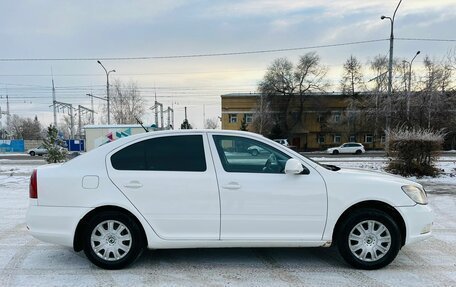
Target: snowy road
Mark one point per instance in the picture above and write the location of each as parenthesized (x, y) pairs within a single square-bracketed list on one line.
[(25, 261)]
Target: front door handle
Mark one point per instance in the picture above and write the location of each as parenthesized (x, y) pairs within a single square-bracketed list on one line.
[(232, 186), (133, 184)]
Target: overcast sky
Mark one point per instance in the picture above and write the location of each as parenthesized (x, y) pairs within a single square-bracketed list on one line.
[(103, 29)]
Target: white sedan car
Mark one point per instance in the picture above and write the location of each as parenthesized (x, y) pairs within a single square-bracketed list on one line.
[(355, 148), (191, 189), (41, 150)]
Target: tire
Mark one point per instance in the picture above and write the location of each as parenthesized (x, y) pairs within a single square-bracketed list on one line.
[(254, 152), (32, 153), (373, 249), (335, 152), (358, 152), (106, 250)]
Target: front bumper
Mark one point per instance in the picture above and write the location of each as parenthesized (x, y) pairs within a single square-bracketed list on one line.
[(418, 222), (54, 224)]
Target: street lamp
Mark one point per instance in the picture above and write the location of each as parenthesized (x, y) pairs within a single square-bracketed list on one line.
[(410, 83), (107, 88), (390, 66)]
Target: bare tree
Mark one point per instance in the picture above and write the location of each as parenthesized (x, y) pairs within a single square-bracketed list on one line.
[(64, 127), (287, 82), (25, 128), (352, 78), (211, 123), (262, 117), (126, 103)]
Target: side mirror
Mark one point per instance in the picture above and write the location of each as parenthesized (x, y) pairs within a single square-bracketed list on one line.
[(293, 166)]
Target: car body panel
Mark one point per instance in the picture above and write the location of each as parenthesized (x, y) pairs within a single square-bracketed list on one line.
[(271, 206), (178, 204)]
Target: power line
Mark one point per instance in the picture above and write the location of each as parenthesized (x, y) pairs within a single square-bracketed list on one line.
[(426, 39), (192, 55)]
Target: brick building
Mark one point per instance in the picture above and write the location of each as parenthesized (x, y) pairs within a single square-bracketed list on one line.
[(326, 120)]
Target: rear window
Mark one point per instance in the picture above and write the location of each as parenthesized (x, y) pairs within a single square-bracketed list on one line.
[(172, 153)]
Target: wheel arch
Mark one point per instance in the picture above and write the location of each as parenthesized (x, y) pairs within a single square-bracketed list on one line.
[(78, 242), (373, 204)]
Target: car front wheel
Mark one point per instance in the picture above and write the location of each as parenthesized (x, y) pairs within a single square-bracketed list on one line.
[(112, 240), (369, 239), (335, 151)]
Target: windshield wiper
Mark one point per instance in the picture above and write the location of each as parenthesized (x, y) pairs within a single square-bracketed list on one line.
[(331, 167)]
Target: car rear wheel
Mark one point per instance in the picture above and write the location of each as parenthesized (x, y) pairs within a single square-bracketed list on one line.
[(358, 152), (335, 151), (112, 240), (32, 153), (369, 239)]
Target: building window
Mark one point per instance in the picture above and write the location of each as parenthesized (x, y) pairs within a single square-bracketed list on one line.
[(337, 117), (383, 139), (352, 138), (368, 138), (321, 139), (337, 138), (248, 118), (319, 118), (232, 118)]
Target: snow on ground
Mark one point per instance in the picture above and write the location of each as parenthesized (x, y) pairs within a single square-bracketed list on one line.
[(25, 261)]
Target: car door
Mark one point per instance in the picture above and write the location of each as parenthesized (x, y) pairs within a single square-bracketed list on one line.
[(258, 200), (171, 180), (343, 148)]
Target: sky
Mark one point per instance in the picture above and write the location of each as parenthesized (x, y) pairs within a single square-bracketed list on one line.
[(93, 30)]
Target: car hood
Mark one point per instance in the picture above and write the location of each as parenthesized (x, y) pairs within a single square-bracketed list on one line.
[(376, 176)]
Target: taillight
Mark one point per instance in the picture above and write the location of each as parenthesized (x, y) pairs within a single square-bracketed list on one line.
[(33, 189)]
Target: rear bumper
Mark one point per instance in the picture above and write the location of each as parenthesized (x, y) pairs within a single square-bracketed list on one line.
[(54, 224), (418, 221)]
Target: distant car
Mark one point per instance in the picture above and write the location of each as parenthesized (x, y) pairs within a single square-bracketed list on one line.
[(41, 150), (355, 148), (283, 142), (255, 150)]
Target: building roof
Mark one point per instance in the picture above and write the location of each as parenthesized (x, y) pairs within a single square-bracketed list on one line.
[(332, 94)]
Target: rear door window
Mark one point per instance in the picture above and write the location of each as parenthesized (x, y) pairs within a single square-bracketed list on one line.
[(171, 153)]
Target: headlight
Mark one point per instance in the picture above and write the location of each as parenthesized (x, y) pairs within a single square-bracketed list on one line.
[(417, 194)]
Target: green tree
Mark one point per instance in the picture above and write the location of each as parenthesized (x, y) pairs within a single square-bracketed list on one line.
[(53, 144), (186, 125)]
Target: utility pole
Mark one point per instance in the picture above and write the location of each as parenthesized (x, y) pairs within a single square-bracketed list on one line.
[(53, 102), (8, 115), (69, 108), (107, 89), (390, 66), (81, 111), (91, 101), (169, 111)]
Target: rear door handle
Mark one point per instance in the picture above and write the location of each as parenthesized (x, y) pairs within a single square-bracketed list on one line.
[(232, 186), (133, 184)]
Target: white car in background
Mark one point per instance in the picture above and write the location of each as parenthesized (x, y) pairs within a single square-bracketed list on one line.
[(353, 148), (283, 142), (193, 189), (40, 150)]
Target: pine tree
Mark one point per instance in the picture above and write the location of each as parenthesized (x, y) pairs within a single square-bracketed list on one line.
[(53, 144), (186, 125)]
